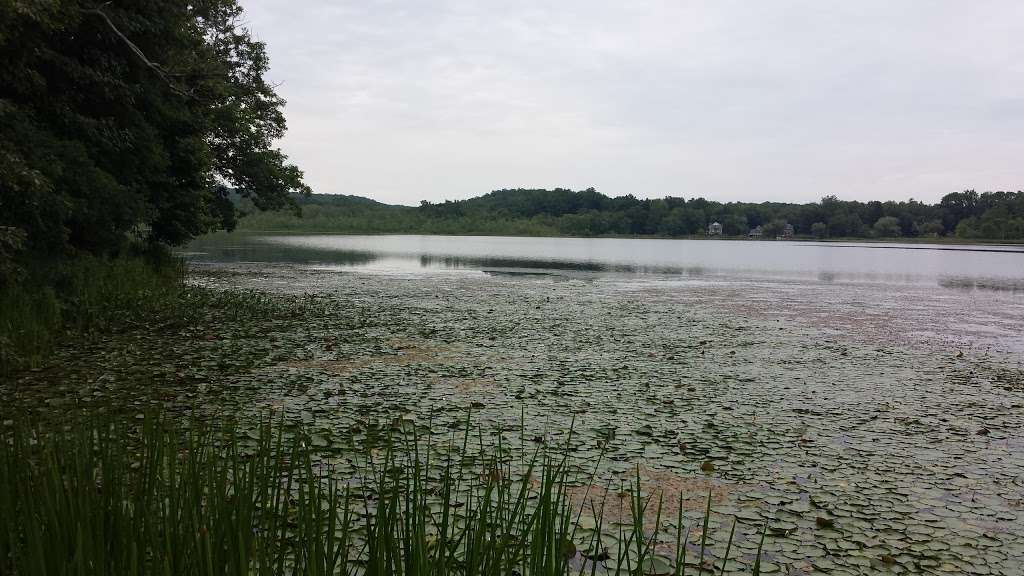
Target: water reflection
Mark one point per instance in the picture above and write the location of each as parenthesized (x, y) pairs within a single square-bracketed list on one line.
[(991, 284), (549, 266), (483, 263), (204, 250), (954, 267)]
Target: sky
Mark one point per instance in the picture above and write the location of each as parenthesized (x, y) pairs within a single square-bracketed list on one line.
[(786, 100)]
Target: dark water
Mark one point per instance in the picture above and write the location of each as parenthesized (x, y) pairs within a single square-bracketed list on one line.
[(996, 267)]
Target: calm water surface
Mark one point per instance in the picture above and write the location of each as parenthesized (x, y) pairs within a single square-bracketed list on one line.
[(998, 267), (878, 385)]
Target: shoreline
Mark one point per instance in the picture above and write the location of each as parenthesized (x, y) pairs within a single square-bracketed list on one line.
[(939, 241)]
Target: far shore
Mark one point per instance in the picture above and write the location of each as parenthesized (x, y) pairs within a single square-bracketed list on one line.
[(941, 240)]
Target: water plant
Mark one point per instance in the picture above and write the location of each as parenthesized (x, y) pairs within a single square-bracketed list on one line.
[(59, 300), (100, 496)]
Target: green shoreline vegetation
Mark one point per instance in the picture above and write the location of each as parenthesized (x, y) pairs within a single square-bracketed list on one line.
[(75, 300), (124, 127), (110, 491), (937, 240), (114, 497), (959, 217)]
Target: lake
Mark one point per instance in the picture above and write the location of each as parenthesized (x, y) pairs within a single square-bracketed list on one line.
[(965, 296), (988, 266), (878, 387)]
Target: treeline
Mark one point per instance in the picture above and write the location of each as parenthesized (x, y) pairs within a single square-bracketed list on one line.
[(124, 127), (101, 146), (967, 215)]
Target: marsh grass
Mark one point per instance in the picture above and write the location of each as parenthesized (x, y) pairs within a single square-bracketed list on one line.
[(30, 323), (80, 299), (74, 299), (98, 497)]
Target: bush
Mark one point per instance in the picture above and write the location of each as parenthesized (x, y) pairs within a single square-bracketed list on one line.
[(887, 227), (933, 228)]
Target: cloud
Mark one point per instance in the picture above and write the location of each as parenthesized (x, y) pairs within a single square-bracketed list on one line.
[(789, 100)]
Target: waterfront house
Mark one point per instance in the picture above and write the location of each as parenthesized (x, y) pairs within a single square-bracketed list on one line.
[(714, 229), (756, 232)]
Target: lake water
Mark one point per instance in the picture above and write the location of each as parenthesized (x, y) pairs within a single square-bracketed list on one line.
[(879, 388), (878, 385), (939, 296), (999, 267)]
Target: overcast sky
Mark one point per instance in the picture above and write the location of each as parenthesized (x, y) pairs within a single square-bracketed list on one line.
[(730, 100)]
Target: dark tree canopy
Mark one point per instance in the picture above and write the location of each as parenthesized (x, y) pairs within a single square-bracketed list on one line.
[(988, 216), (134, 118)]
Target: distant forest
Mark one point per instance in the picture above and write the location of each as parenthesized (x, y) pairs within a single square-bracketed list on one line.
[(562, 212)]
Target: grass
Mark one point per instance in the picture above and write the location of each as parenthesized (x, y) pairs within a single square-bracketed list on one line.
[(78, 298), (30, 323), (84, 298), (150, 497)]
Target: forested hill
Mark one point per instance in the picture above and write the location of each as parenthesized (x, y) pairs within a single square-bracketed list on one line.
[(967, 215)]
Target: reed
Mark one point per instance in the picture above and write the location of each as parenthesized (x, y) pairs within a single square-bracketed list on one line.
[(125, 498)]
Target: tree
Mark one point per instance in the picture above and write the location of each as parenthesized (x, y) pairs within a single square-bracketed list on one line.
[(681, 221), (958, 206), (875, 210), (966, 228), (502, 212), (735, 225), (845, 224), (774, 228), (887, 227), (933, 228), (139, 118)]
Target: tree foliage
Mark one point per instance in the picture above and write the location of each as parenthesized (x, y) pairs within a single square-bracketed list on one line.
[(991, 215), (887, 227), (134, 117)]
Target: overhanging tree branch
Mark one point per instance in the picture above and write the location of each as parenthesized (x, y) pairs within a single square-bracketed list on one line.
[(163, 74)]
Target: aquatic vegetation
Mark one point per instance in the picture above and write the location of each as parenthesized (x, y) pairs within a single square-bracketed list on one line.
[(798, 423), (82, 297), (91, 298), (112, 497)]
